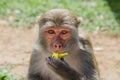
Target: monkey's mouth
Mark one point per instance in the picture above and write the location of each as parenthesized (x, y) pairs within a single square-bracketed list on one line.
[(59, 51)]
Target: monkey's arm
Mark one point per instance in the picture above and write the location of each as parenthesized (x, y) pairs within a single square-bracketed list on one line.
[(86, 47), (63, 69)]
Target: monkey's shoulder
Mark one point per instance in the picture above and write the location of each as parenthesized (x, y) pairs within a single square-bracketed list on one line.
[(85, 43)]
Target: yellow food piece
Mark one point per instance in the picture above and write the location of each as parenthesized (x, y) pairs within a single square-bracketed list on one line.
[(58, 56)]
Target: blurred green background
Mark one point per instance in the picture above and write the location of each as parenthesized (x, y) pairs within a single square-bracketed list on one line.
[(101, 15)]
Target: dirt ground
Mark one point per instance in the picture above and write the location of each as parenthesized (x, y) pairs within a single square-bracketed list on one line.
[(16, 47)]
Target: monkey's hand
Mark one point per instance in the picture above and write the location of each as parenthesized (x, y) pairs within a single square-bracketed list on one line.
[(62, 68)]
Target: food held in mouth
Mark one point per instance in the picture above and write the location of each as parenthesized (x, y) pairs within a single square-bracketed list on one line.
[(59, 56)]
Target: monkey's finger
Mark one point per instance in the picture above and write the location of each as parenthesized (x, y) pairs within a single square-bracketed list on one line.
[(51, 62), (59, 63), (64, 62)]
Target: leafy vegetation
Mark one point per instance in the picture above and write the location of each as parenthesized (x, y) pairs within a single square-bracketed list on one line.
[(5, 74), (95, 13)]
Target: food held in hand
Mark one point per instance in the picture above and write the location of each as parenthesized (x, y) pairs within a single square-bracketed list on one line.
[(59, 56)]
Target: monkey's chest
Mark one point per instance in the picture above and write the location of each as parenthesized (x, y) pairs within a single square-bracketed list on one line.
[(49, 74)]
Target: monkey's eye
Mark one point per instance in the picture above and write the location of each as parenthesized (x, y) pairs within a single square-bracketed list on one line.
[(51, 31), (64, 32)]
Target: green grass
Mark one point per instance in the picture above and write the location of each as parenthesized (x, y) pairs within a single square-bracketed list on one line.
[(5, 73), (95, 13)]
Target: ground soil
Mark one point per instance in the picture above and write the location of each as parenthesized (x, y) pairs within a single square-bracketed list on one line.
[(16, 46)]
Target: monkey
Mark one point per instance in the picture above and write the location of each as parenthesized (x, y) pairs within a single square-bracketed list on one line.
[(58, 32)]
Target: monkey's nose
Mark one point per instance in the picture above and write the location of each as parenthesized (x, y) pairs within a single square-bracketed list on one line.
[(57, 47)]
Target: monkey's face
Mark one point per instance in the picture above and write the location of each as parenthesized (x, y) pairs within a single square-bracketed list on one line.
[(57, 37), (58, 30)]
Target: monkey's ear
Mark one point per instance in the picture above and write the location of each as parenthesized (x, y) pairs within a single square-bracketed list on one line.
[(79, 20)]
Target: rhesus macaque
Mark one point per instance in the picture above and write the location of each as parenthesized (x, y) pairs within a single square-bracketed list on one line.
[(59, 33)]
